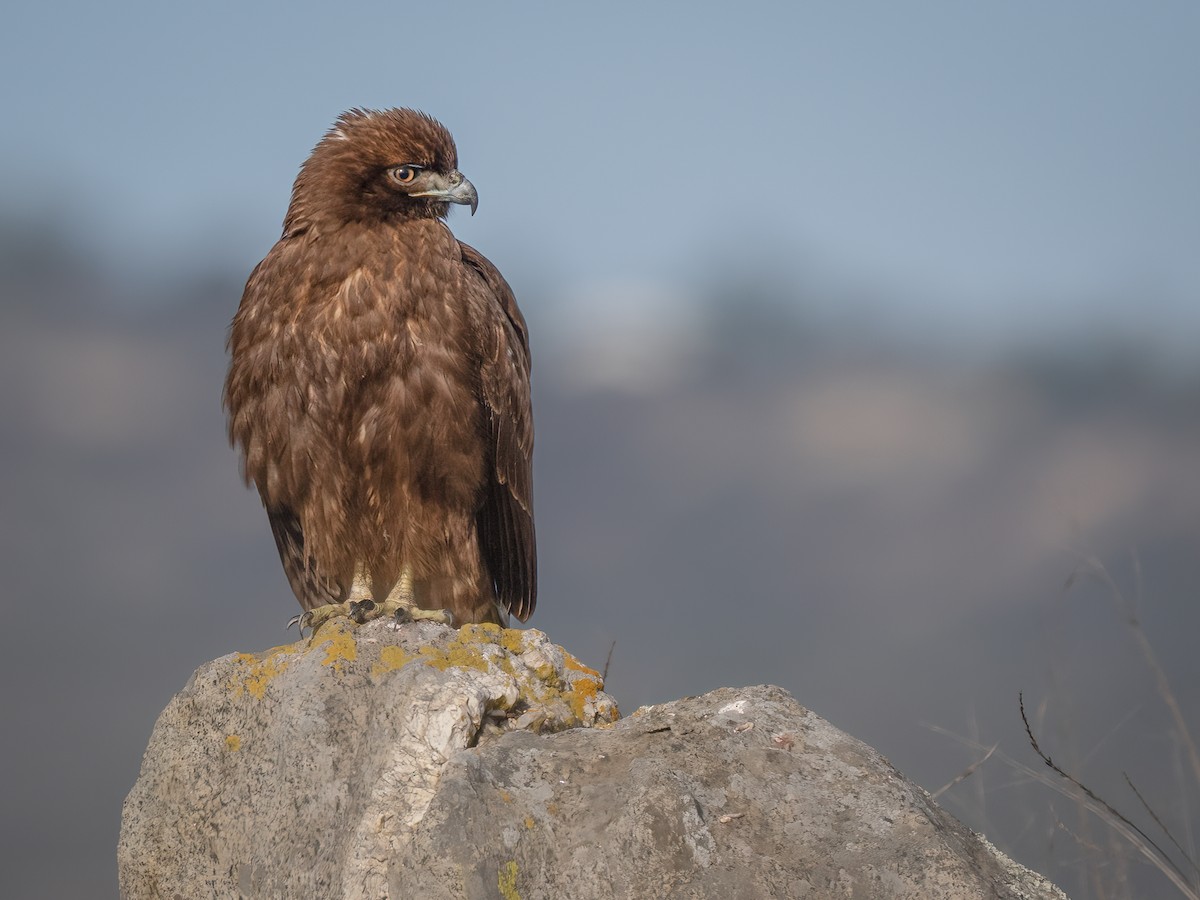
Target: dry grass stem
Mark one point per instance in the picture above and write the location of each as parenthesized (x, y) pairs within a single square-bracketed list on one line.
[(967, 772), (1105, 811), (1091, 565)]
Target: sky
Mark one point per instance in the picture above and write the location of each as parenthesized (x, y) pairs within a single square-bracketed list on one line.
[(1002, 169)]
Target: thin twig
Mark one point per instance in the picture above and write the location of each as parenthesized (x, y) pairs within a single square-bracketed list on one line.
[(607, 660), (1019, 767), (1057, 786), (1159, 822), (1115, 819), (966, 773)]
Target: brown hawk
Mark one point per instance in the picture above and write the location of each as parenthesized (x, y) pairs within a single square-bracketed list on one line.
[(378, 387)]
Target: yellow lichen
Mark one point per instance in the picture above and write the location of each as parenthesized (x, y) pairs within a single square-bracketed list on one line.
[(390, 659), (529, 823), (507, 881), (513, 640), (484, 632), (582, 691), (259, 672), (505, 796), (233, 743), (464, 657), (454, 656), (575, 665), (339, 646)]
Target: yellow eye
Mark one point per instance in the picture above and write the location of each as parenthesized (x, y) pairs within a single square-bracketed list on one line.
[(404, 174)]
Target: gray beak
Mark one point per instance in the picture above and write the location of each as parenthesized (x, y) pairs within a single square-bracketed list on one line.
[(455, 190)]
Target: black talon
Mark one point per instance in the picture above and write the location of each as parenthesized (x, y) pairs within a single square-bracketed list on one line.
[(403, 615), (300, 620), (359, 610)]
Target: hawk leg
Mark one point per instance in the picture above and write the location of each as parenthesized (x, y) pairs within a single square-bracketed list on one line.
[(400, 604)]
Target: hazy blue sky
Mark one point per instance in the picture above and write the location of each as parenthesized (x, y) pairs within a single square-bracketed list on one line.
[(1012, 164)]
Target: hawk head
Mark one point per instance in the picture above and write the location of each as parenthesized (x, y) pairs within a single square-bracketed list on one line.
[(379, 164)]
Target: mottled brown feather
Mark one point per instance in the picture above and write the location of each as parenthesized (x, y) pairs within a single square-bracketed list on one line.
[(379, 387)]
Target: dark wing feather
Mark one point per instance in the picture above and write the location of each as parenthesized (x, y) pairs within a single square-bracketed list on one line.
[(505, 520), (307, 584)]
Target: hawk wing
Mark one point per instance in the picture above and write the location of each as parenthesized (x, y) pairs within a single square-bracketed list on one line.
[(309, 586), (505, 520)]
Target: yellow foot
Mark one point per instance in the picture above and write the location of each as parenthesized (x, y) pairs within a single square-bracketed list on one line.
[(319, 615), (361, 611), (406, 611)]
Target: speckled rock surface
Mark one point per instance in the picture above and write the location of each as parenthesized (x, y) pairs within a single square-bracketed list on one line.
[(301, 772), (734, 794), (425, 762)]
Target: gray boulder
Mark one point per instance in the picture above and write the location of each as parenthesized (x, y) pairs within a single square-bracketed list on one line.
[(420, 761)]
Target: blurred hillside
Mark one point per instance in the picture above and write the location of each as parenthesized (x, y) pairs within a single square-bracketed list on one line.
[(880, 522)]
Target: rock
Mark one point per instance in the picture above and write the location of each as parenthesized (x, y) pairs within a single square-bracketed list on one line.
[(420, 761)]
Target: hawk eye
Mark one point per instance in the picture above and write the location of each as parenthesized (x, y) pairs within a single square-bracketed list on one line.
[(404, 174)]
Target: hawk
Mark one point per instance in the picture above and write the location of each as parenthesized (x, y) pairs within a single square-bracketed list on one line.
[(378, 388)]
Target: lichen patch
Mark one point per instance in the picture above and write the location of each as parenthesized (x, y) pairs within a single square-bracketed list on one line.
[(340, 646), (390, 659), (253, 673)]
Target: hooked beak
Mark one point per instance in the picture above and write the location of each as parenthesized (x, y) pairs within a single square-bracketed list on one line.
[(453, 188)]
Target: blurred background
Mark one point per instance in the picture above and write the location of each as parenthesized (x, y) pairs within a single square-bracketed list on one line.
[(858, 330)]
